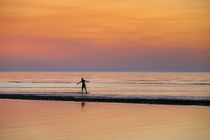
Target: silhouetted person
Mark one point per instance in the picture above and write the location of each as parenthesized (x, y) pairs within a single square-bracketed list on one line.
[(83, 84)]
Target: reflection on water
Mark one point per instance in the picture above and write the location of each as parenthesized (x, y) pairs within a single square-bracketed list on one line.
[(65, 120)]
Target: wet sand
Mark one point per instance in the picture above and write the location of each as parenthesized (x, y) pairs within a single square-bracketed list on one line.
[(39, 120), (166, 100)]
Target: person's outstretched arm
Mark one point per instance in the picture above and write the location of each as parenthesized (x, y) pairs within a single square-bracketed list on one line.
[(87, 81), (79, 82)]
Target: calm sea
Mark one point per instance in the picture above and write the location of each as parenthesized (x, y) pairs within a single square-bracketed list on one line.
[(120, 83)]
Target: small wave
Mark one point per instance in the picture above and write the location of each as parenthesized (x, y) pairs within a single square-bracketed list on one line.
[(37, 92), (52, 82), (149, 83), (177, 83), (200, 83), (14, 81), (118, 83), (35, 82), (38, 87), (147, 80)]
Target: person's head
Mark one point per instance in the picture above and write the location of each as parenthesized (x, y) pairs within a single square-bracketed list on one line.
[(82, 78)]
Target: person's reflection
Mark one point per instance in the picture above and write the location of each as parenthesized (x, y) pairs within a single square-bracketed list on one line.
[(83, 102), (83, 105)]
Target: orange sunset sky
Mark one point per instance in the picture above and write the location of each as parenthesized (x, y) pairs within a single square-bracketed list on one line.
[(104, 35)]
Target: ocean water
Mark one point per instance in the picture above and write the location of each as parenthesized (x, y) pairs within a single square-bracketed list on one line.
[(115, 83)]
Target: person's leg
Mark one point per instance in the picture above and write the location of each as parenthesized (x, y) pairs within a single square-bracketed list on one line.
[(82, 89), (85, 89)]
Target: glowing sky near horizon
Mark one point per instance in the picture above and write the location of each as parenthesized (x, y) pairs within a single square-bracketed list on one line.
[(105, 35)]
